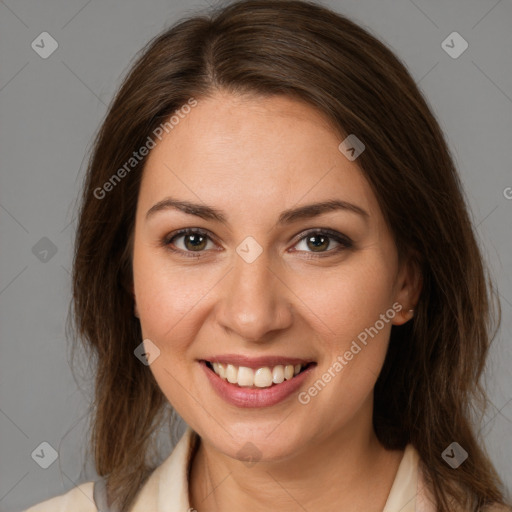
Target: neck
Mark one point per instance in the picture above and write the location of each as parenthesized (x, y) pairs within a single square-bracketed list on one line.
[(349, 468)]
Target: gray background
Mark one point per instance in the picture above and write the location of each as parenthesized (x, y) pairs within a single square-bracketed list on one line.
[(50, 109)]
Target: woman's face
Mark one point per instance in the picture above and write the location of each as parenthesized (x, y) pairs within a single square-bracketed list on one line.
[(260, 287)]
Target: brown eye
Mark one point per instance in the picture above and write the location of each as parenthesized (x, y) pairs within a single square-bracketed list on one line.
[(318, 242), (188, 241), (194, 242), (321, 241)]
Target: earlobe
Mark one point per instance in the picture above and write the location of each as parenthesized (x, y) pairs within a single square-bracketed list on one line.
[(403, 316)]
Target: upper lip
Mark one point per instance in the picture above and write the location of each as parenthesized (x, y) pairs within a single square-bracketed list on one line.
[(256, 362)]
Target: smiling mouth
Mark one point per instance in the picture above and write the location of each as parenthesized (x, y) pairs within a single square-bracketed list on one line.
[(264, 377)]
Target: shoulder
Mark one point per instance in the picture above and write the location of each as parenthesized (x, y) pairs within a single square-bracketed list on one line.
[(425, 501), (78, 499), (165, 489)]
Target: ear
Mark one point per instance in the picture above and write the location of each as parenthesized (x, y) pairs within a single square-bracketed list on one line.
[(408, 288)]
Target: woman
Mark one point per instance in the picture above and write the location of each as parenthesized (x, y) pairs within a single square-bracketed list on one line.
[(273, 239)]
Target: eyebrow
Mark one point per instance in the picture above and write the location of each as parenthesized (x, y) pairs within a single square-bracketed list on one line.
[(286, 217)]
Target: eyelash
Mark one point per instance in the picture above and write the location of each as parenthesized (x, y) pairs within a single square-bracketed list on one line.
[(346, 242)]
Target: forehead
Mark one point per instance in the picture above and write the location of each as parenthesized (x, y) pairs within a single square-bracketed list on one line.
[(252, 151)]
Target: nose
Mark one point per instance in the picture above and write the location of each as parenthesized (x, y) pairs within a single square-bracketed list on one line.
[(255, 300)]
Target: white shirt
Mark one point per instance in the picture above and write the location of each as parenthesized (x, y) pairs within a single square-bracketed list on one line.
[(166, 490)]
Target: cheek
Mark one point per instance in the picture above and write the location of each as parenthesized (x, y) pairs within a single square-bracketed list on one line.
[(352, 359), (350, 298), (354, 311), (165, 301), (165, 294)]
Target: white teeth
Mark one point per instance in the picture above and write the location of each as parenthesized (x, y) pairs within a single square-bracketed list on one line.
[(262, 377), (288, 371), (221, 370), (245, 376), (232, 373), (278, 374)]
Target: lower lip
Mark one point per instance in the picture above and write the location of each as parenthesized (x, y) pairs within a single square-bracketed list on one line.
[(255, 397)]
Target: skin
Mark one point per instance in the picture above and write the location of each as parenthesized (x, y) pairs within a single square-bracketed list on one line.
[(252, 158)]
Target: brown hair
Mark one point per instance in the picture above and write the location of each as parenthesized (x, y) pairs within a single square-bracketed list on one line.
[(429, 388)]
